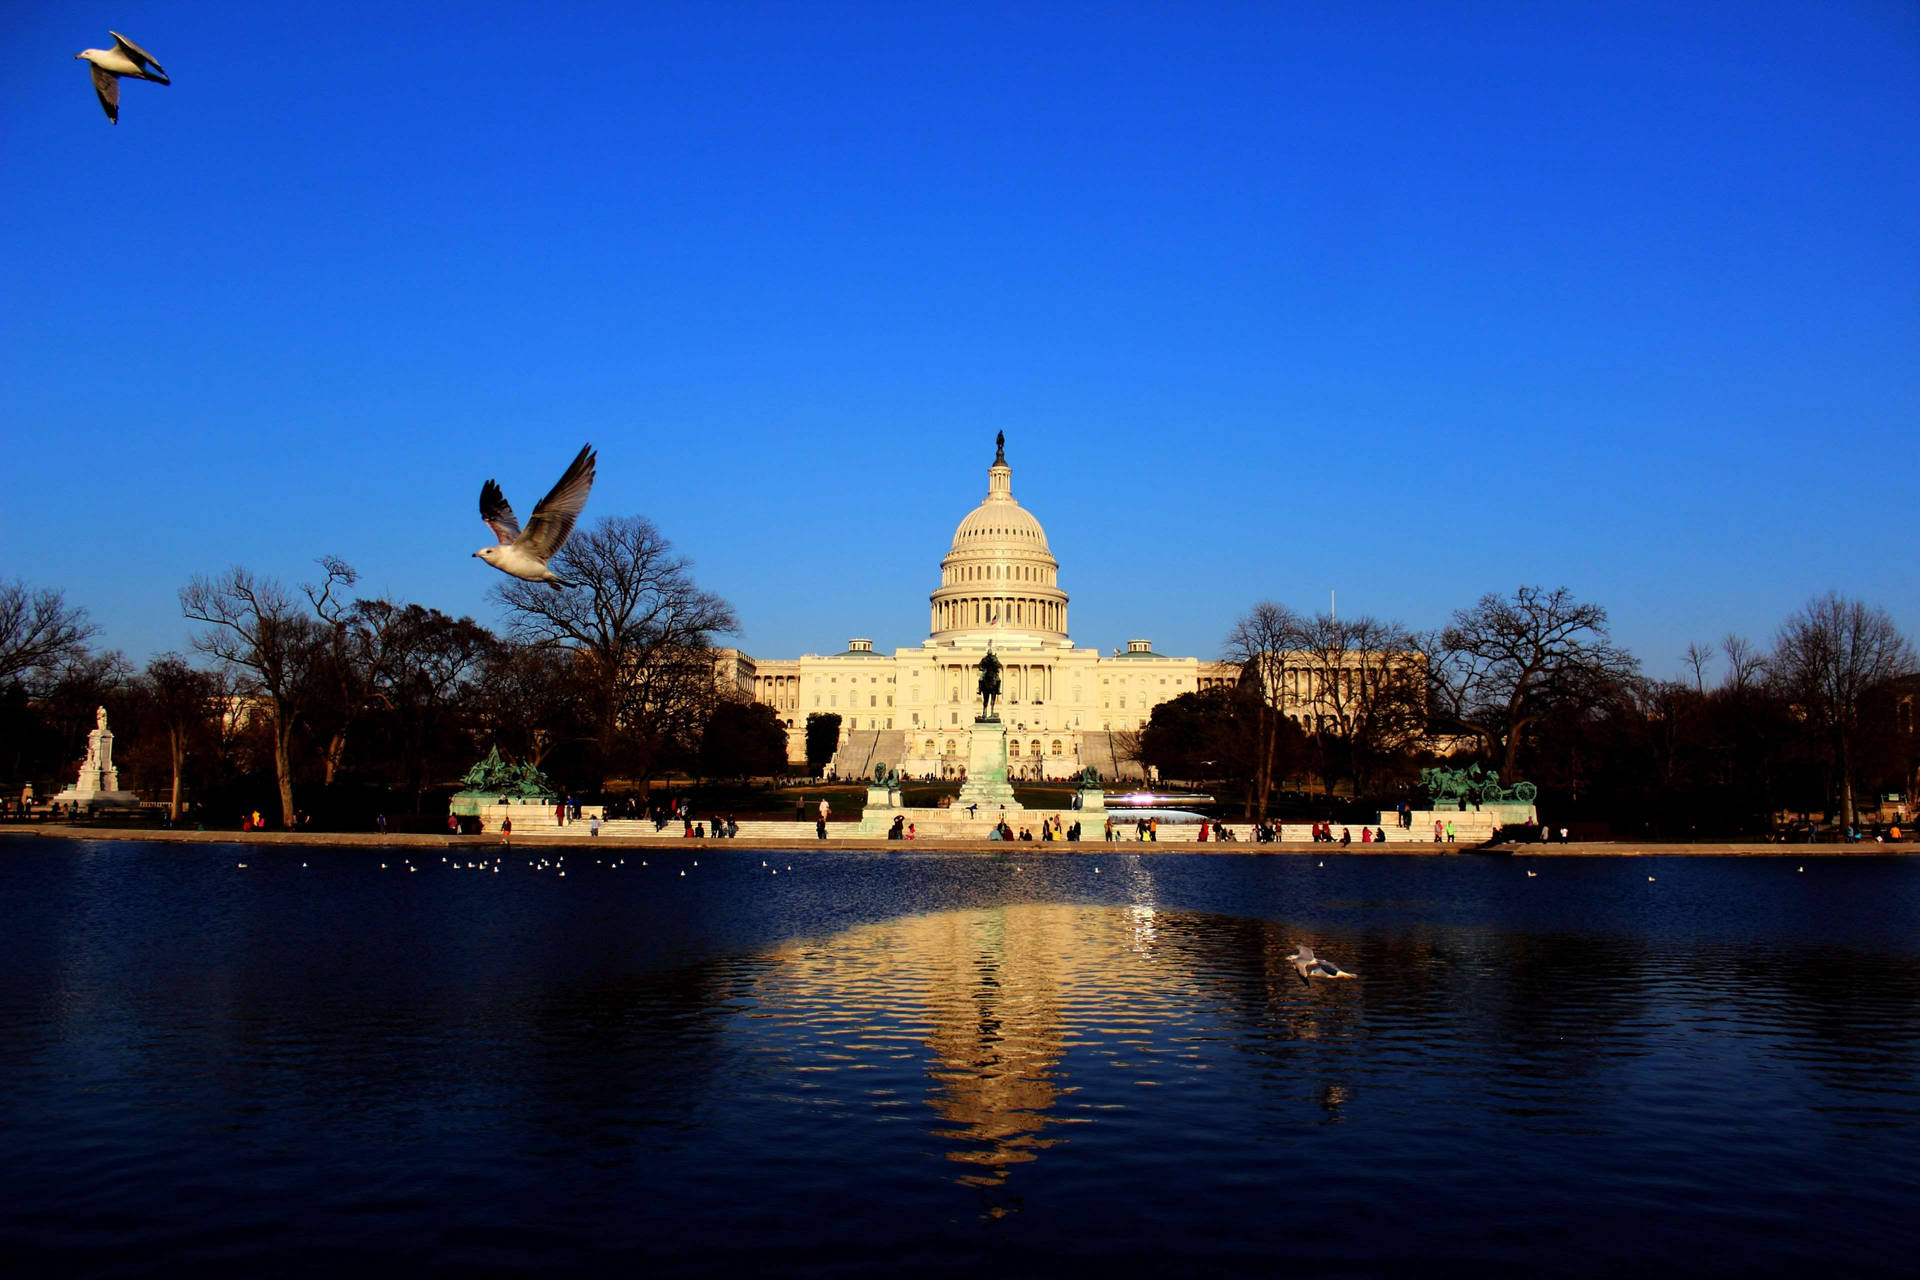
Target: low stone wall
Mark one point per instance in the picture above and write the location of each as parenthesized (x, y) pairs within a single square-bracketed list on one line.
[(798, 838)]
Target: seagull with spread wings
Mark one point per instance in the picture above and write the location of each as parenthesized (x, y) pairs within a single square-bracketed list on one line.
[(125, 59), (525, 554), (1308, 965)]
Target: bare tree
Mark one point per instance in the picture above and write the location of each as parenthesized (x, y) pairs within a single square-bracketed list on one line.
[(38, 629), (355, 632), (428, 660), (528, 699), (257, 632), (1699, 656), (72, 692), (1832, 656), (1261, 644), (1364, 689), (641, 634), (1746, 665), (1504, 663), (184, 699), (362, 636), (1129, 749)]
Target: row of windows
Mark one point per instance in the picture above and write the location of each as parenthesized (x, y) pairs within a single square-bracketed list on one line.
[(954, 696), (995, 572), (1013, 748), (998, 533)]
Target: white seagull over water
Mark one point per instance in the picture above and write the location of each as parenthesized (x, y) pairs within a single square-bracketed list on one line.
[(525, 555), (125, 59), (1308, 965)]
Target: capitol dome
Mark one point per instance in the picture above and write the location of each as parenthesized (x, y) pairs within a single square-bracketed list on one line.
[(999, 578), (1000, 520)]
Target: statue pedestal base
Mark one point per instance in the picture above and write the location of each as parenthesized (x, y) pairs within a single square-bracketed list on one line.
[(470, 804), (74, 796), (986, 783)]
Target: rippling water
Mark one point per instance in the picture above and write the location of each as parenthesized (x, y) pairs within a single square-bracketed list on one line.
[(916, 1062)]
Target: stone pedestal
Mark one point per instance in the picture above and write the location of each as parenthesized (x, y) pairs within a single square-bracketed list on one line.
[(1511, 813), (475, 804), (986, 783)]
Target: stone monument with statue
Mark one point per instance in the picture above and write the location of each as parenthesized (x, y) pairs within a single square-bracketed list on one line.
[(884, 791), (1091, 793), (99, 781), (986, 784), (1452, 790), (495, 782)]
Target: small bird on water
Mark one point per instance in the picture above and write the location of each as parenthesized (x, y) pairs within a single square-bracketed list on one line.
[(1309, 966), (525, 555), (125, 59)]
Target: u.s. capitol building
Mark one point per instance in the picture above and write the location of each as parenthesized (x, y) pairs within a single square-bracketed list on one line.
[(1061, 706)]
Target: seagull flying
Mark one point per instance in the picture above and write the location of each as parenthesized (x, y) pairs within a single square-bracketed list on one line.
[(525, 555), (125, 59), (1308, 965)]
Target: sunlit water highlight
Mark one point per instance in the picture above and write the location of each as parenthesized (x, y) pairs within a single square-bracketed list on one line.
[(913, 1062)]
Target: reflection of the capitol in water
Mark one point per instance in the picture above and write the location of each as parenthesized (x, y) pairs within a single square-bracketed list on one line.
[(1030, 1019)]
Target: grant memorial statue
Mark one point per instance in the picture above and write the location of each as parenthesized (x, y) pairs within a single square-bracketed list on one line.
[(989, 685), (986, 793)]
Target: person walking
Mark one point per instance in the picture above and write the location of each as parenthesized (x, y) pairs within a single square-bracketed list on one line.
[(506, 831), (1449, 830), (820, 827)]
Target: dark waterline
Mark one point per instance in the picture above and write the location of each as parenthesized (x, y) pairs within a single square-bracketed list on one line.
[(877, 1064)]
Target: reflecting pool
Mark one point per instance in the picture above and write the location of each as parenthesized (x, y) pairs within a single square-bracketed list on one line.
[(888, 1063)]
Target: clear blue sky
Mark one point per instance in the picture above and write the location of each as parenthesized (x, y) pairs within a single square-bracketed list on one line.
[(1415, 301)]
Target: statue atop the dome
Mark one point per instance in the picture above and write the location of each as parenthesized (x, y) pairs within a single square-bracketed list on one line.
[(989, 684), (1000, 449)]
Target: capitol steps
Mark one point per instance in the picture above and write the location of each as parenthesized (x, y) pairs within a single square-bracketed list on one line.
[(1096, 750), (865, 748)]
